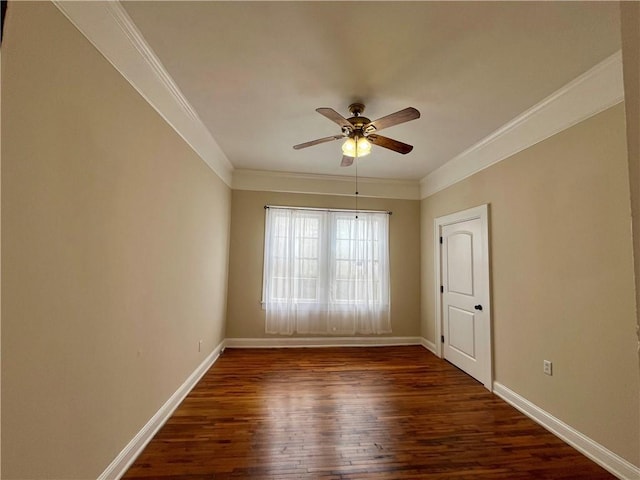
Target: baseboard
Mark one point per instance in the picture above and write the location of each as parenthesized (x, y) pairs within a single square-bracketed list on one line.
[(608, 460), (612, 462), (429, 345), (298, 342), (118, 467)]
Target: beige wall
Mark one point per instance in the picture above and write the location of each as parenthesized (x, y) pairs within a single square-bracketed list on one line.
[(99, 329), (245, 317), (114, 253), (630, 29), (562, 277)]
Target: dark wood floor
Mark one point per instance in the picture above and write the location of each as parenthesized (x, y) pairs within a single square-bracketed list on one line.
[(351, 413)]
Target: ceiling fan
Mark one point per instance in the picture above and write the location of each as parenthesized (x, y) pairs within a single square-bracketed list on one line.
[(360, 132)]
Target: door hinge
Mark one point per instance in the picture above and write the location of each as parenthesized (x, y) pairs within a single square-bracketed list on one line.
[(442, 338), (440, 240), (441, 289)]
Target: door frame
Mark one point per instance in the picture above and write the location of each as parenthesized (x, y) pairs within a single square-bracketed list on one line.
[(480, 212)]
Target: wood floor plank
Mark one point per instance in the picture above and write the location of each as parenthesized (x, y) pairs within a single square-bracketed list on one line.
[(350, 413)]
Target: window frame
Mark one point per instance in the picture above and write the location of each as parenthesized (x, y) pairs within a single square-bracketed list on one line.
[(327, 263)]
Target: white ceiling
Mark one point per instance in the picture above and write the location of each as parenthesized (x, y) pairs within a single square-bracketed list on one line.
[(256, 71)]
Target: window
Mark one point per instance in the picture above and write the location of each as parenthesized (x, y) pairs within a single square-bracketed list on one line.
[(326, 272)]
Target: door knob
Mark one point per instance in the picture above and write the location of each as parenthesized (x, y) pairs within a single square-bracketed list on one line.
[(478, 307)]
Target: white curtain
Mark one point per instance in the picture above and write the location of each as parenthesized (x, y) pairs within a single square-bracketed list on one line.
[(326, 272)]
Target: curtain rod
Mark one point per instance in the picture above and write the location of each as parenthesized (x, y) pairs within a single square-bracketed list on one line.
[(328, 209)]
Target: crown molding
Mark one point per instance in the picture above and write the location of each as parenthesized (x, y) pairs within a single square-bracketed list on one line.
[(595, 90), (260, 180), (110, 29)]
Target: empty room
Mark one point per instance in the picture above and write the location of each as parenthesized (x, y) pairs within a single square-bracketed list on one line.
[(320, 240)]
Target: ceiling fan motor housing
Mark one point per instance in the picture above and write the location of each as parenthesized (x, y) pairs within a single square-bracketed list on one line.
[(359, 123)]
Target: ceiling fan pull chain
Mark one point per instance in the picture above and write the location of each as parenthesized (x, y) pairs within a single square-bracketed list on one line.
[(356, 160)]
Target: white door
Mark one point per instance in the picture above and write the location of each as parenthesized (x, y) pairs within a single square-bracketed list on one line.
[(465, 334)]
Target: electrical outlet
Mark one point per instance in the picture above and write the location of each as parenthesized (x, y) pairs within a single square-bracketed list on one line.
[(547, 367)]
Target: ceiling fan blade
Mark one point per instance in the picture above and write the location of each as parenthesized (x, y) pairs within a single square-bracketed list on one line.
[(346, 161), (402, 116), (334, 116), (390, 143), (316, 142)]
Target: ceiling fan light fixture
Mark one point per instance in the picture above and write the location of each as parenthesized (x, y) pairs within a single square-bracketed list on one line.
[(363, 147), (349, 147)]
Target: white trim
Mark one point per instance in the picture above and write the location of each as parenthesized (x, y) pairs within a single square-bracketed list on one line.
[(596, 90), (300, 342), (110, 29), (604, 457), (261, 180), (429, 345), (481, 212), (118, 467)]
